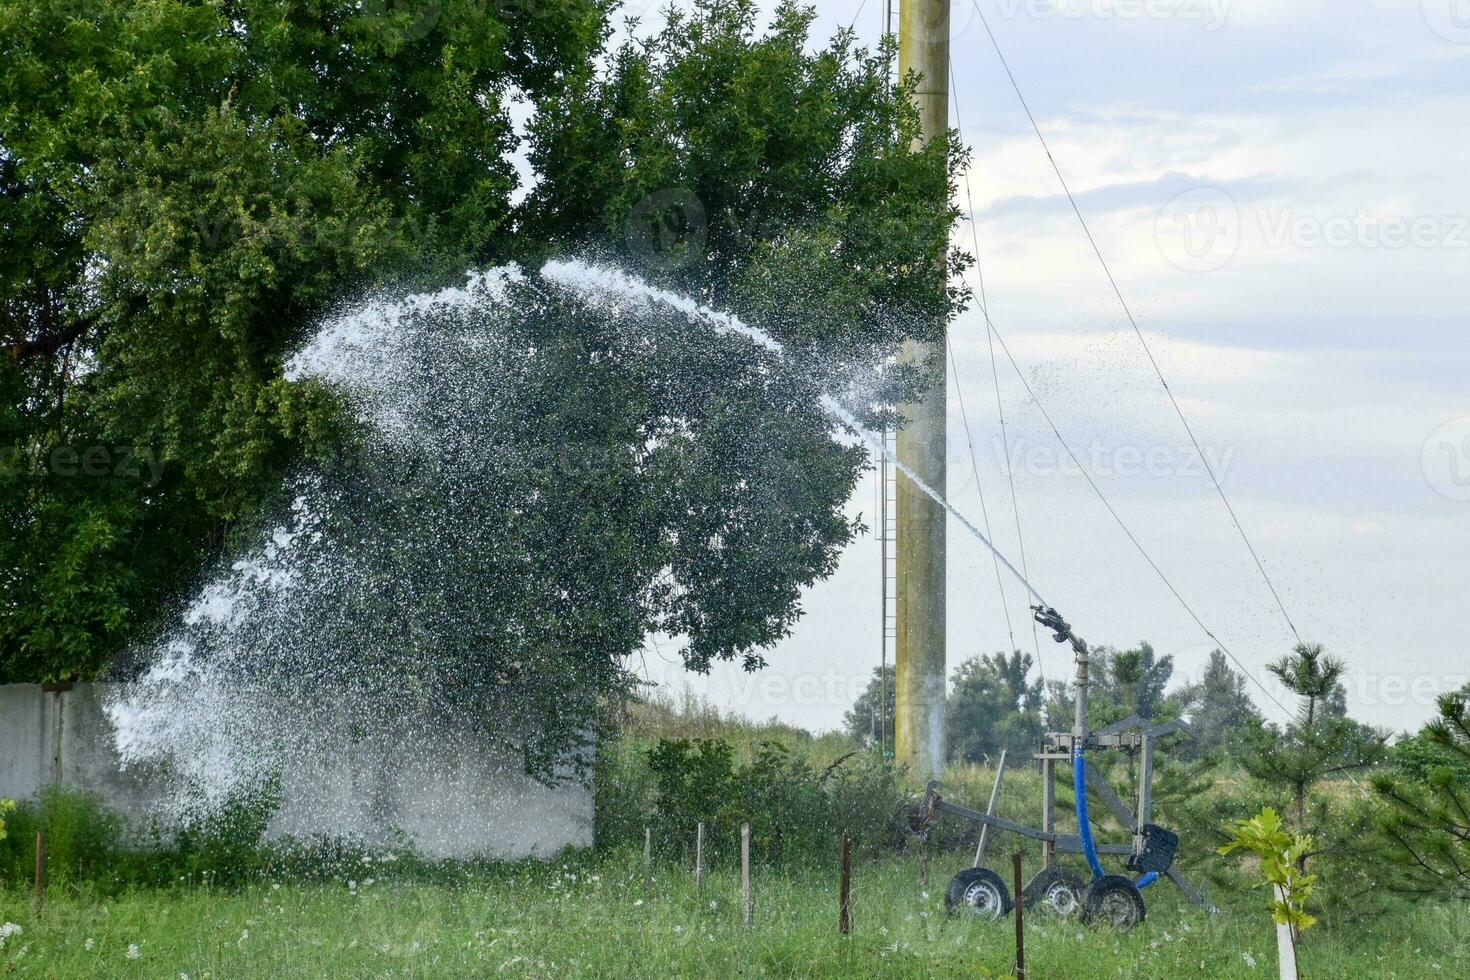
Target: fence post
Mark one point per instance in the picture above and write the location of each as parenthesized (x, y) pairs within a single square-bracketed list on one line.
[(699, 857), (844, 888), (1020, 929), (746, 907), (40, 869), (647, 849)]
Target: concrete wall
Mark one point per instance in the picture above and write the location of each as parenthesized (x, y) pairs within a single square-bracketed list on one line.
[(448, 802)]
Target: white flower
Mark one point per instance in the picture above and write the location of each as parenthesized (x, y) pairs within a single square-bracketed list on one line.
[(7, 930), (637, 902), (133, 951), (1250, 960), (89, 944)]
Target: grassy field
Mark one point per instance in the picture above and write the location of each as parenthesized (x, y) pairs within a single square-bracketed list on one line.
[(592, 916)]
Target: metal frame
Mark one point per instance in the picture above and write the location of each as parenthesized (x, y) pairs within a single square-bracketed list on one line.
[(1131, 734)]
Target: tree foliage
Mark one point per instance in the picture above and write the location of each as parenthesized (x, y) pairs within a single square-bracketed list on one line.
[(1321, 742), (185, 186), (873, 709), (1428, 824), (1282, 855), (188, 187), (992, 706), (1220, 707)]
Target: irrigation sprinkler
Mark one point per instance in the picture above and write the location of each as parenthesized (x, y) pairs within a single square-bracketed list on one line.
[(1111, 899)]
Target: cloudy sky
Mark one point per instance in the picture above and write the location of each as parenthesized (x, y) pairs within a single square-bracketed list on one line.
[(1280, 189)]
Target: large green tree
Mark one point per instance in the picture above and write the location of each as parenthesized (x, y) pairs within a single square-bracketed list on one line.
[(1220, 707), (1319, 744), (184, 186), (1427, 824), (188, 186), (993, 706)]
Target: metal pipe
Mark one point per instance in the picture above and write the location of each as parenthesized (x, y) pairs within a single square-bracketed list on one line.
[(1000, 771)]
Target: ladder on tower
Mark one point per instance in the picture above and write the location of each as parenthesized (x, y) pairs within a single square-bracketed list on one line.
[(888, 551), (888, 516)]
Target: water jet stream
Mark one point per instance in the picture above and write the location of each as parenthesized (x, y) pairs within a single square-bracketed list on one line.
[(590, 279)]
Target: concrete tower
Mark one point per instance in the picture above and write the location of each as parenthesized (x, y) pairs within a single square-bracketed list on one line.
[(919, 662)]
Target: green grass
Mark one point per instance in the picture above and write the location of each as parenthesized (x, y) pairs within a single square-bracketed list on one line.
[(600, 916)]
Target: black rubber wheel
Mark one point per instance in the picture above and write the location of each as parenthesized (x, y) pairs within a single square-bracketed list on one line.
[(979, 892), (1113, 900), (1056, 890)]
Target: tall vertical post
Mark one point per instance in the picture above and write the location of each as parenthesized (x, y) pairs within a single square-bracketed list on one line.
[(40, 869), (699, 857), (919, 662), (883, 545), (747, 909), (1020, 926), (844, 886), (1145, 788), (1048, 810)]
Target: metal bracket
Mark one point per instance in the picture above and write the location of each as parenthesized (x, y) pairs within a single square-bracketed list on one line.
[(1066, 742)]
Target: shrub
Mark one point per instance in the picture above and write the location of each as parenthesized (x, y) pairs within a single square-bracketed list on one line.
[(225, 843), (82, 836), (796, 810)]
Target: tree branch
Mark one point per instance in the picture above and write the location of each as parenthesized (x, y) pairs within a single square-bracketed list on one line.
[(47, 343)]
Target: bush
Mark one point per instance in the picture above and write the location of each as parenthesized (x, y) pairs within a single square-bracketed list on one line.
[(225, 844), (83, 837), (796, 810), (88, 842)]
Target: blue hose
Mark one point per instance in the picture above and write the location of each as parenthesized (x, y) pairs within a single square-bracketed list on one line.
[(1084, 826)]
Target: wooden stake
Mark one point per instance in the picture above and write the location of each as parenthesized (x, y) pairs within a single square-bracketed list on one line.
[(40, 869), (747, 911), (1020, 929), (844, 888), (699, 857), (647, 849)]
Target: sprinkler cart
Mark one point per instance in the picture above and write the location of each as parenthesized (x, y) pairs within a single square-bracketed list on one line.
[(1112, 899)]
